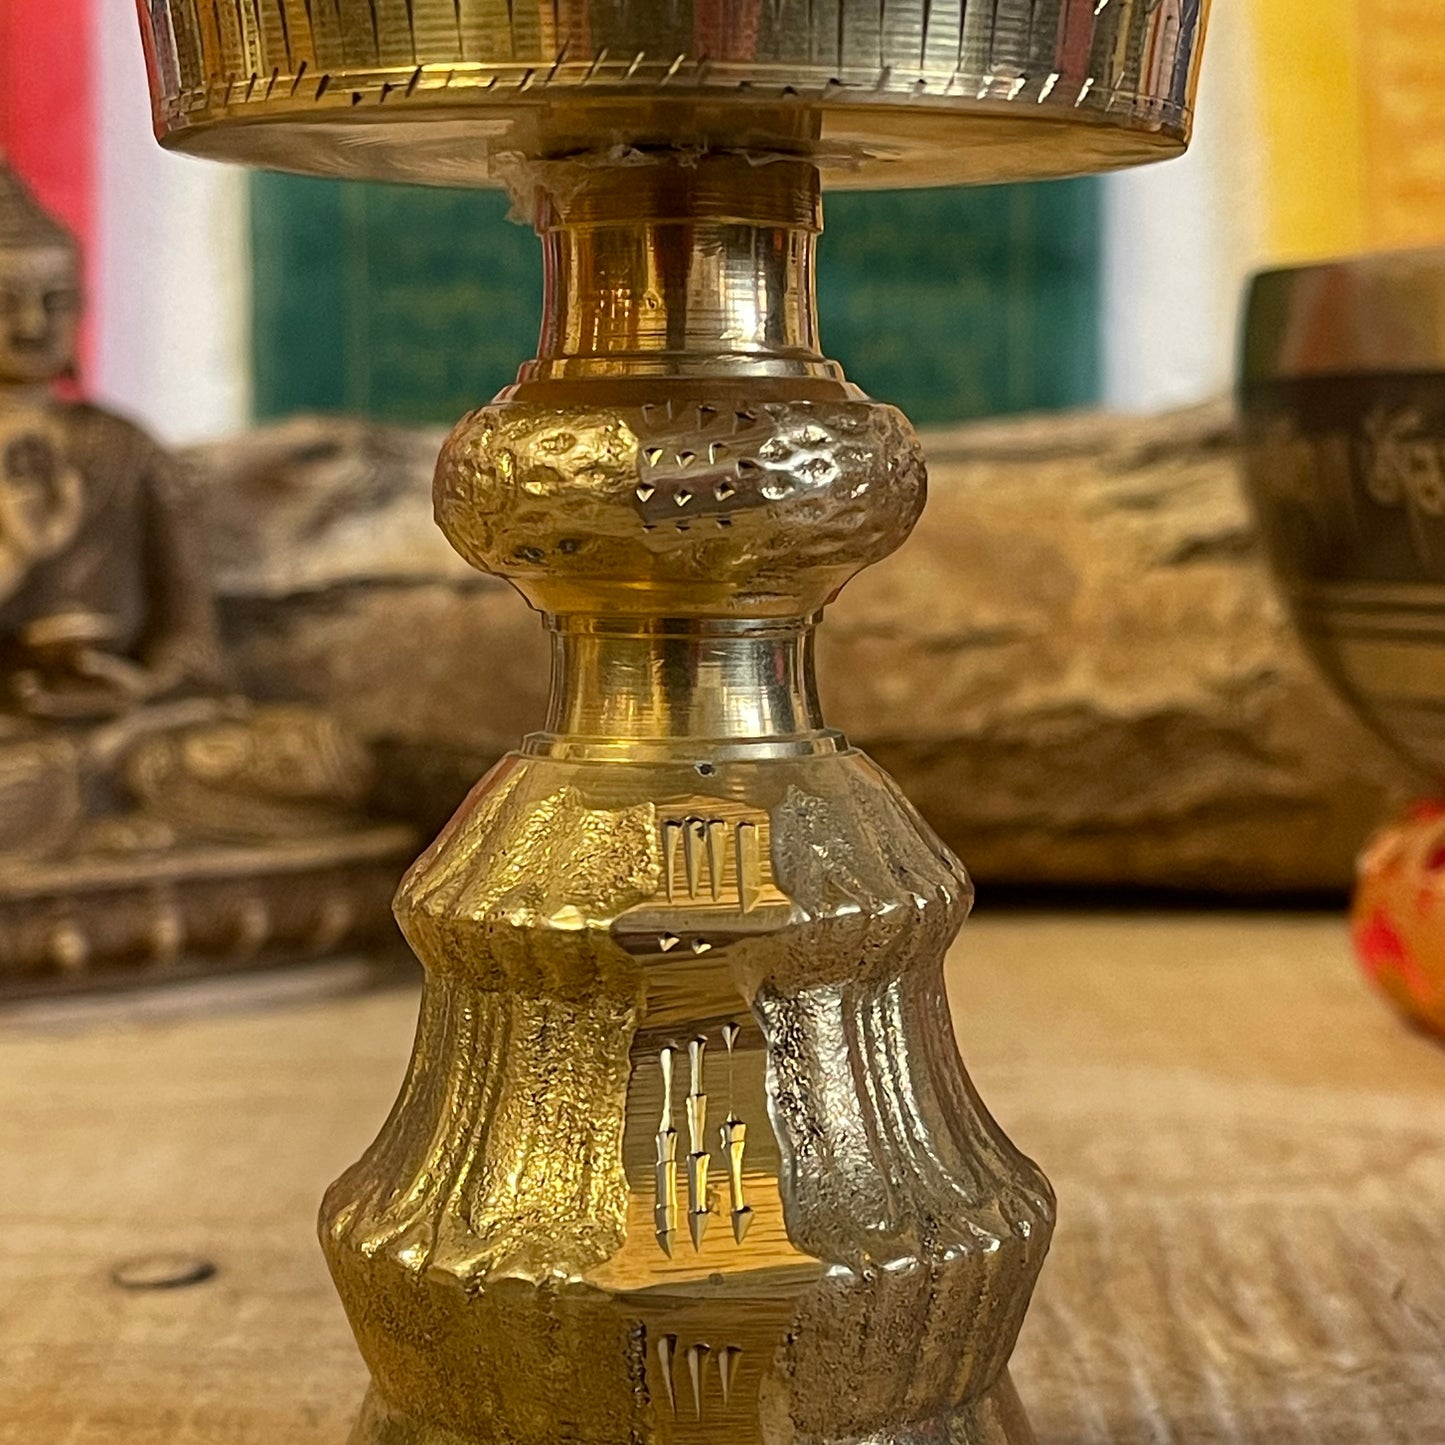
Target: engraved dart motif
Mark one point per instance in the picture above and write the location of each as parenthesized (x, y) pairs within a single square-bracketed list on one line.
[(697, 1159), (696, 1364), (692, 852), (716, 840), (734, 1140), (727, 1369), (666, 1349), (665, 1212)]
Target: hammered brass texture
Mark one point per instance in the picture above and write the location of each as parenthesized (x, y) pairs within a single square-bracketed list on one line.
[(877, 91), (757, 509)]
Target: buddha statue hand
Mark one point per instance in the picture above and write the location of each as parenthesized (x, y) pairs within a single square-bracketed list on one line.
[(81, 683)]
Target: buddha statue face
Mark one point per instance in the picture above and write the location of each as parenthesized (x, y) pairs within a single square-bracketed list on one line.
[(39, 314), (39, 289)]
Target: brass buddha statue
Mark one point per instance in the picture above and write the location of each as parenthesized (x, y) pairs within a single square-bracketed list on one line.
[(149, 814)]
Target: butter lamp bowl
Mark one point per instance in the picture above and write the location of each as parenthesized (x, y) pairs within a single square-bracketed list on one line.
[(452, 91)]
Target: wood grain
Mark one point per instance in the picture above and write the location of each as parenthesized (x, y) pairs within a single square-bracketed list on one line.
[(1249, 1152)]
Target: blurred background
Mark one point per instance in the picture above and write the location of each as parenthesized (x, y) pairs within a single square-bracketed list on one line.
[(218, 298)]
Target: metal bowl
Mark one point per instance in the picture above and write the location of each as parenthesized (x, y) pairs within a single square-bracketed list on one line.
[(877, 92), (1343, 401)]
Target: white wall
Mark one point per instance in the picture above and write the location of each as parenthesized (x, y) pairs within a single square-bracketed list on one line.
[(1180, 240), (172, 342)]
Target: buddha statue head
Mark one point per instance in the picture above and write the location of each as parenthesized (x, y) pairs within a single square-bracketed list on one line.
[(40, 301)]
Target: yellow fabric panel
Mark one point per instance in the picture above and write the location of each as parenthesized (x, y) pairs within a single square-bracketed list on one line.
[(1402, 54), (1351, 100), (1307, 80)]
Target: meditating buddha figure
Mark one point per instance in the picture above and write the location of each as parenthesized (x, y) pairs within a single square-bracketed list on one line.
[(120, 733)]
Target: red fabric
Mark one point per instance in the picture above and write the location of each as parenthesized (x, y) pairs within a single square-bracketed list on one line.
[(1078, 20), (47, 106)]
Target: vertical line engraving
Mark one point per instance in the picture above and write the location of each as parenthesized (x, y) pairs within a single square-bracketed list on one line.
[(670, 834), (734, 1140), (749, 883), (695, 844), (697, 1158), (665, 1212)]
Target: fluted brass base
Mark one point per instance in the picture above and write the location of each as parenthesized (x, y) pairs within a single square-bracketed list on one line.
[(685, 1143), (995, 1419)]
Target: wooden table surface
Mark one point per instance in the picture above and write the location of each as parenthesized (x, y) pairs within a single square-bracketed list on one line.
[(1249, 1152)]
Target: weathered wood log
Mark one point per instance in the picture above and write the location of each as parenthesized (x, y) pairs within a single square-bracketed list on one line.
[(1077, 667)]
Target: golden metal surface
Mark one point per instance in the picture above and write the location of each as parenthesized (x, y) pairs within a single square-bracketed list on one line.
[(685, 1149), (892, 93), (685, 1146), (151, 821)]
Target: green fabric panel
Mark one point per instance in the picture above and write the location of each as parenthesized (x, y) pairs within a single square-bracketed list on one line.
[(413, 305), (298, 301), (964, 303), (403, 303)]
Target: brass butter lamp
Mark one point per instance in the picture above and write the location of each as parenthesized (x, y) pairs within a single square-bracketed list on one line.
[(685, 1149)]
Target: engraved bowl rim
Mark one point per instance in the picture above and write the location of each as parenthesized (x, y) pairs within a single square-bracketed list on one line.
[(899, 142)]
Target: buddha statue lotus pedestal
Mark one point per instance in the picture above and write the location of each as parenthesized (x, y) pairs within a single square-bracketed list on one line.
[(685, 1149)]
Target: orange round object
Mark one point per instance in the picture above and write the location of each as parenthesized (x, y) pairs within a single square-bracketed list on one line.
[(1398, 921)]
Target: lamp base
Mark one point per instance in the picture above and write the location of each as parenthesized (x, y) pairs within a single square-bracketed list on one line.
[(997, 1418), (685, 1149)]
